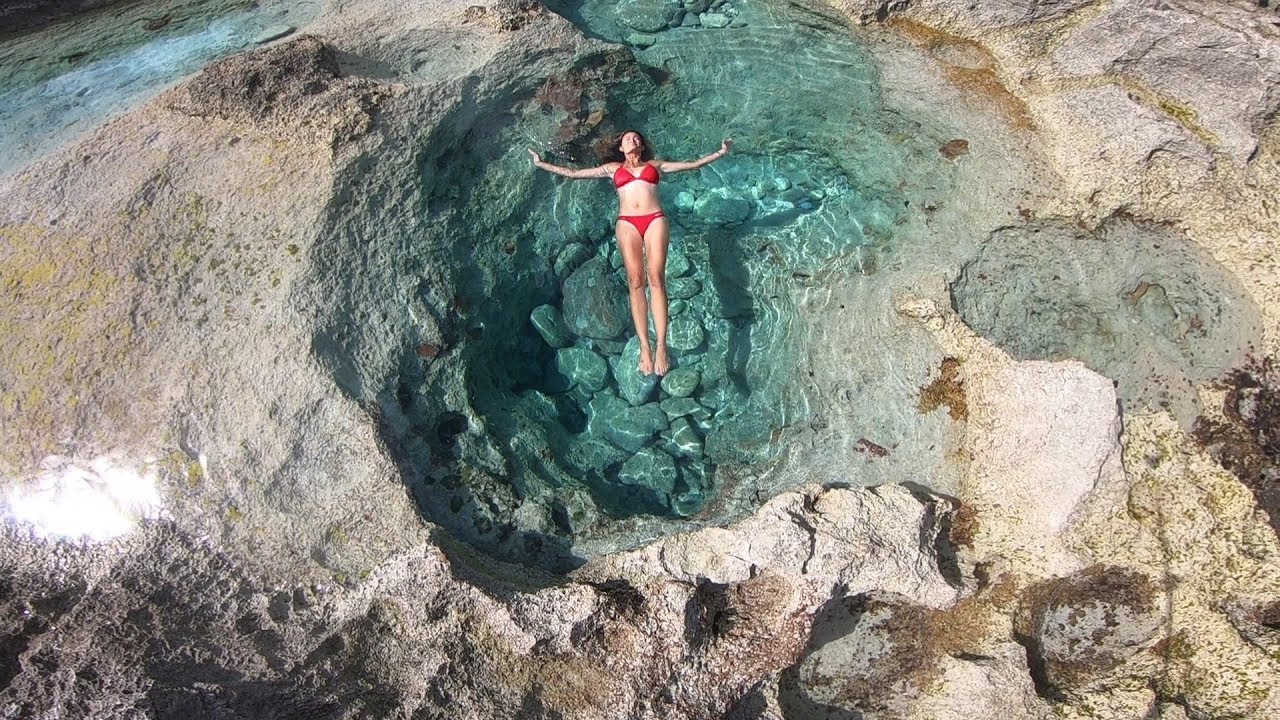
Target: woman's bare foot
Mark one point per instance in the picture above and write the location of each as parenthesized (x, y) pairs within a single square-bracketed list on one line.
[(646, 363), (661, 365)]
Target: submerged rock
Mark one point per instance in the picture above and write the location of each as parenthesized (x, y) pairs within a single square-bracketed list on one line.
[(571, 258), (620, 423), (722, 210), (546, 319), (677, 264), (595, 301), (683, 288), (685, 332), (681, 382), (650, 468), (647, 16), (685, 438), (583, 367), (634, 387)]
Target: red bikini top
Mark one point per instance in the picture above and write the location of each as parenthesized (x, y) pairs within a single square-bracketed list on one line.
[(622, 176)]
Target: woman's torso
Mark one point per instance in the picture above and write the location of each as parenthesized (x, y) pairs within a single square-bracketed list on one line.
[(639, 194)]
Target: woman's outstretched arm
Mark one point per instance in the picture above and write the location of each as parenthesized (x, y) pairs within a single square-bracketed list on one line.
[(602, 171), (670, 167)]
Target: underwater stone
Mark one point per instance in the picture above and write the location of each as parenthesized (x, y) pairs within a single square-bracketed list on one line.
[(634, 387), (744, 439), (647, 16), (684, 200), (681, 382), (607, 347), (685, 333), (594, 301), (555, 381), (642, 40), (615, 258), (625, 426), (677, 307), (570, 258), (678, 407), (723, 211), (677, 264), (650, 468), (714, 20), (547, 321), (697, 6), (583, 367), (683, 288), (677, 18), (685, 438), (690, 20)]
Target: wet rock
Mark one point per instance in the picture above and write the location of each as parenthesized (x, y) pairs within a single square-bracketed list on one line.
[(713, 20), (583, 367), (647, 16), (1080, 628), (677, 264), (677, 18), (642, 40), (679, 406), (546, 319), (571, 258), (625, 426), (677, 307), (683, 288), (681, 382), (684, 200), (633, 386), (685, 332), (697, 6), (745, 439), (718, 210), (650, 468), (685, 438), (275, 32), (690, 20), (595, 301)]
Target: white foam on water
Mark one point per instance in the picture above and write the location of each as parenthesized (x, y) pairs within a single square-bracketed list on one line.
[(99, 500)]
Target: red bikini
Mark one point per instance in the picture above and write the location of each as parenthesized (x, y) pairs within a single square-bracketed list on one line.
[(649, 174)]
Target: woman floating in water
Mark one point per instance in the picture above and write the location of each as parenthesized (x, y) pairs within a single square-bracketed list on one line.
[(642, 230)]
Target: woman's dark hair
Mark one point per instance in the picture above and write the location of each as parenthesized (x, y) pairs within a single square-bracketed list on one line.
[(610, 150)]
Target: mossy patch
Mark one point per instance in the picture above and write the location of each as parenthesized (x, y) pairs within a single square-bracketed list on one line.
[(948, 390), (1245, 439)]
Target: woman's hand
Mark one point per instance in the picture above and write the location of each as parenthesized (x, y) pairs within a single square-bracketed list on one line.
[(725, 145), (537, 159)]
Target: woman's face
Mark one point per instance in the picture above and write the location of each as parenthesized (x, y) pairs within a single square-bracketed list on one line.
[(629, 142)]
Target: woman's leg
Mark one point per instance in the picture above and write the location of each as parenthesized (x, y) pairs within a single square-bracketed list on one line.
[(632, 247), (655, 246)]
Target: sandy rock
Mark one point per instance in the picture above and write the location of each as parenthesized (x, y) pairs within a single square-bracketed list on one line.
[(1081, 627), (294, 91)]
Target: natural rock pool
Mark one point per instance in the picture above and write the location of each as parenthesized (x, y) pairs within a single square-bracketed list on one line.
[(521, 424)]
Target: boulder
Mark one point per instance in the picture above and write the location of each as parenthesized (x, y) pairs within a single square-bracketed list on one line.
[(634, 387), (685, 332), (625, 426), (718, 210), (681, 382), (1081, 627), (595, 301), (583, 367), (650, 468), (646, 16), (549, 323)]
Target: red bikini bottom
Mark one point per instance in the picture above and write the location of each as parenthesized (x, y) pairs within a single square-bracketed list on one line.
[(641, 222)]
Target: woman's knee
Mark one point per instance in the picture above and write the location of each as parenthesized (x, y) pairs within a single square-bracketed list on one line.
[(657, 281), (635, 280)]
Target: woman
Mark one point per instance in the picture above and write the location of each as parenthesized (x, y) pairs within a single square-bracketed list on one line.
[(642, 230)]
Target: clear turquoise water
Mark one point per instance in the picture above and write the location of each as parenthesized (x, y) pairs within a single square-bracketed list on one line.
[(811, 194), (68, 79)]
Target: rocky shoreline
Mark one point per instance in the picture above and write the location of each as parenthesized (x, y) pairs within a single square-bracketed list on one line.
[(180, 298)]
